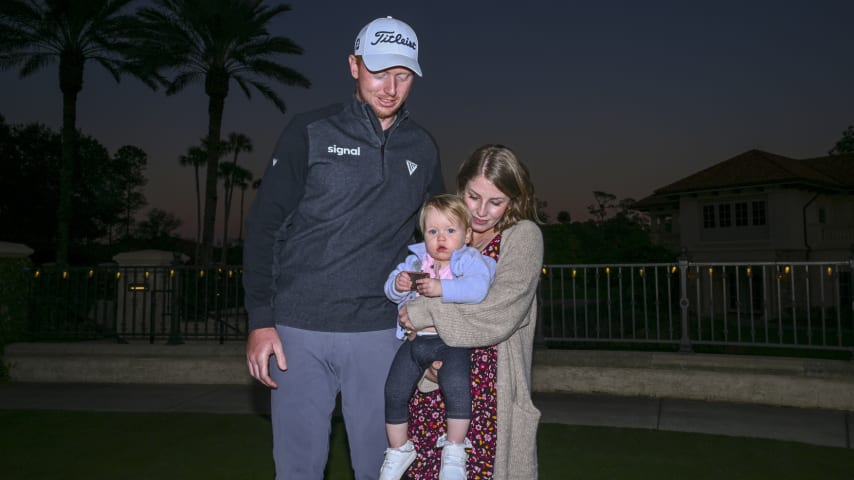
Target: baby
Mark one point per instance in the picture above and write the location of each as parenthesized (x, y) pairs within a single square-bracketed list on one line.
[(457, 274)]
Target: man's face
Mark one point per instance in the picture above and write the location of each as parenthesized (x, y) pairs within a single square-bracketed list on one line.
[(385, 91)]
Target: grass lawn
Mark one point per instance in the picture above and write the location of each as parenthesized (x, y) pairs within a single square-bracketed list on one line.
[(92, 446)]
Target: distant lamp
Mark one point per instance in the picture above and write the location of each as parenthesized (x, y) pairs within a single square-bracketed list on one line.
[(137, 287)]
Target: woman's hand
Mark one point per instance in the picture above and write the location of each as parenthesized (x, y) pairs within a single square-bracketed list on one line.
[(432, 373), (406, 323)]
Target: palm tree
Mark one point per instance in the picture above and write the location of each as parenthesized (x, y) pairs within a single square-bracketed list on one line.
[(237, 143), (232, 175), (196, 157), (255, 186), (243, 186), (37, 33), (216, 41)]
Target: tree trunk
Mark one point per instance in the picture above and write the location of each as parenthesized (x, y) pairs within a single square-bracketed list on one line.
[(227, 187), (198, 214), (216, 86), (70, 83), (240, 225)]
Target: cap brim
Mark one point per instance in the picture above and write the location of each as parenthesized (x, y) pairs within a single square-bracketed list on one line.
[(375, 63)]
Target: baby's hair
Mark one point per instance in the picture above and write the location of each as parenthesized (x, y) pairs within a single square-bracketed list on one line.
[(450, 205)]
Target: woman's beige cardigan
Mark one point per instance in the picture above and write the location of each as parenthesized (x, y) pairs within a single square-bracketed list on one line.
[(507, 318)]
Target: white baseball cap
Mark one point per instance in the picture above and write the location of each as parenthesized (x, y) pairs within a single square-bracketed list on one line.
[(388, 42)]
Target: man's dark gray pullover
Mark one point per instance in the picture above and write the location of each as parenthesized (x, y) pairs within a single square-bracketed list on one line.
[(338, 205)]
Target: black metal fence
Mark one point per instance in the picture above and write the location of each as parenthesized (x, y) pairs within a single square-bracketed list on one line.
[(793, 305), (156, 303), (801, 305)]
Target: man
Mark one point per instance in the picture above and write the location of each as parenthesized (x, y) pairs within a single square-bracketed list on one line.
[(337, 207)]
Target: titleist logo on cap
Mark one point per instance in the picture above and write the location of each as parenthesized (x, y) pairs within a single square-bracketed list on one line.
[(388, 42), (392, 37)]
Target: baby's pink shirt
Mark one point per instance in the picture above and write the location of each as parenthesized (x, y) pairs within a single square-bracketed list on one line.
[(427, 266)]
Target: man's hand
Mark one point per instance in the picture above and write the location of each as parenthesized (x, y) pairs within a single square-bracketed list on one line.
[(262, 343)]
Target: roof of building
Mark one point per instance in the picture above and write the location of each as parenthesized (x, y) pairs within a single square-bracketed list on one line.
[(840, 167), (755, 168)]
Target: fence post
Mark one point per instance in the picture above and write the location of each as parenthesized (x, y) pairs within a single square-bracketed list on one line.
[(539, 336), (851, 291), (685, 340), (174, 294)]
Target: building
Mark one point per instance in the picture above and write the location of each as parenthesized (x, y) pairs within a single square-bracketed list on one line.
[(759, 206)]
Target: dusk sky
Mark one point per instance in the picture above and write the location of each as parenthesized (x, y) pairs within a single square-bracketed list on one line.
[(620, 96)]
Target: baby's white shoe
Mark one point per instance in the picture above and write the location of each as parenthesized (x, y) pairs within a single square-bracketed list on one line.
[(397, 460), (454, 458)]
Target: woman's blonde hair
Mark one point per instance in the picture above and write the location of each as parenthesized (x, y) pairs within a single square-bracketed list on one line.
[(451, 206), (499, 165)]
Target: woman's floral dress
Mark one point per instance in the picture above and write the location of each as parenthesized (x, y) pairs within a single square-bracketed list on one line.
[(427, 414)]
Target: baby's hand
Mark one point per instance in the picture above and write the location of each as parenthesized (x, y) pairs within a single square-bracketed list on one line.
[(403, 283), (429, 287)]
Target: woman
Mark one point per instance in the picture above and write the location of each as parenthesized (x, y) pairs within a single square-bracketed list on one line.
[(497, 190)]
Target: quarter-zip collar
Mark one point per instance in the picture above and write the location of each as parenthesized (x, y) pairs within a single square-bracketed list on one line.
[(364, 110)]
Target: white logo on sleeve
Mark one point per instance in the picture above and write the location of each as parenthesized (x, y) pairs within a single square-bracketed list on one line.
[(275, 161), (411, 167)]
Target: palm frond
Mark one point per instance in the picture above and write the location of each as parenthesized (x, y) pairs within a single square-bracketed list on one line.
[(34, 63), (278, 72), (241, 82), (182, 80), (269, 94)]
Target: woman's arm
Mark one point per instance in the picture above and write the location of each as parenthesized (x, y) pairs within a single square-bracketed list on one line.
[(506, 305)]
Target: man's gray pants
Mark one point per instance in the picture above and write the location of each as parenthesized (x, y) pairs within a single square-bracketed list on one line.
[(320, 365)]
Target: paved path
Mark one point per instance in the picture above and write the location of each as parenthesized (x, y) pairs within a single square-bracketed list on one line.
[(818, 427)]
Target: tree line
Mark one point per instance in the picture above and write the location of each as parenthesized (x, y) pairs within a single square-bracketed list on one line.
[(108, 188), (169, 44)]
